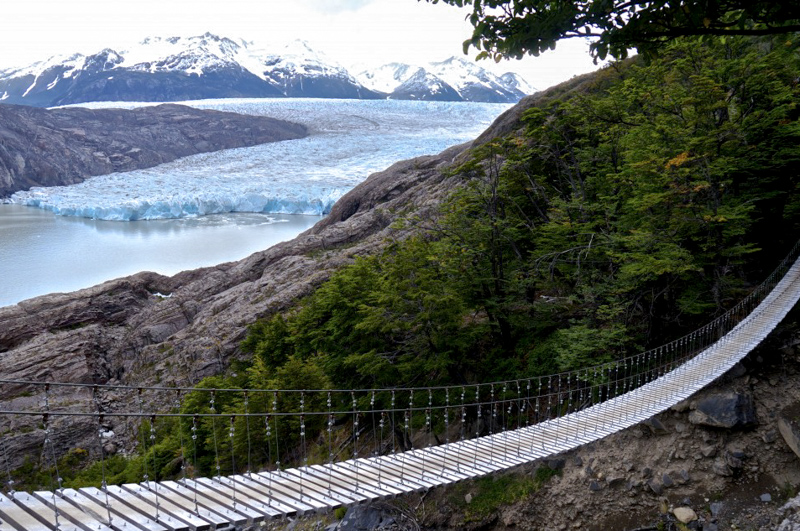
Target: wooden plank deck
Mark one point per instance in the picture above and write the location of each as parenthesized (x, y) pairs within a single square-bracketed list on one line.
[(209, 503)]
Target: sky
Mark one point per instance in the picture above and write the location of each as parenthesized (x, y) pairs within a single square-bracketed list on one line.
[(353, 32)]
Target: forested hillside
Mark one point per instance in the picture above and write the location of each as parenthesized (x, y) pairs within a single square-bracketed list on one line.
[(622, 210), (620, 215)]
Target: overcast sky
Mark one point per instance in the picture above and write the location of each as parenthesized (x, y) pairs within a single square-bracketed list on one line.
[(353, 32)]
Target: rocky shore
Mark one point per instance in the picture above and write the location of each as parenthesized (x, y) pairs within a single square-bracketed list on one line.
[(40, 147)]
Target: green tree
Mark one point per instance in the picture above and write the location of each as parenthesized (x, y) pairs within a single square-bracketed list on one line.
[(513, 28), (621, 216)]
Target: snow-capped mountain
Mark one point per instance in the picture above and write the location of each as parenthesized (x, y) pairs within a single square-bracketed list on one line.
[(209, 66), (513, 80), (180, 68), (422, 85), (299, 71), (473, 82), (388, 77), (468, 80)]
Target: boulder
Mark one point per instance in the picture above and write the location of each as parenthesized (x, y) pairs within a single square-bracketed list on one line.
[(366, 518), (789, 426), (721, 467), (726, 409), (656, 426), (656, 487), (684, 514), (791, 514)]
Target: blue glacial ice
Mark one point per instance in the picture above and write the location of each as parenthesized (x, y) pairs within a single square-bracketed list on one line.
[(349, 139)]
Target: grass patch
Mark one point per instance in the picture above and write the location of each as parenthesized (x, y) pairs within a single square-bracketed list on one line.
[(492, 492)]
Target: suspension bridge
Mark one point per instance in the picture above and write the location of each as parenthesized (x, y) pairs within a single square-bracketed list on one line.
[(344, 447)]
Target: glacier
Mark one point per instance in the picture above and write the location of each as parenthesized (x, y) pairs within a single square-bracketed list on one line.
[(348, 140)]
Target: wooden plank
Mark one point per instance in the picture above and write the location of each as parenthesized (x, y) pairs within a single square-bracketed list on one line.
[(81, 519), (403, 465), (209, 505), (411, 469), (455, 458), (269, 500), (255, 510), (262, 483), (18, 518), (484, 458), (381, 493), (310, 489), (82, 504), (331, 486), (181, 497), (345, 480), (386, 482), (157, 496), (435, 466), (138, 505), (96, 499), (295, 488), (277, 492), (45, 513), (263, 489), (343, 475)]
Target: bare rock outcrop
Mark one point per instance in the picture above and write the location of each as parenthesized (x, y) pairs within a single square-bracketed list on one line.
[(789, 426), (40, 147)]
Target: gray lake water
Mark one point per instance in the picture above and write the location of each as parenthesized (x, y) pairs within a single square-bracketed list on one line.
[(44, 253)]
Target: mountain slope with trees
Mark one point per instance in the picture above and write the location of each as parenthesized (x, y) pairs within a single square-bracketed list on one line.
[(600, 217), (618, 217)]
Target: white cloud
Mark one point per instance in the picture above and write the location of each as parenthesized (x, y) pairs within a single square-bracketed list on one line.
[(335, 6)]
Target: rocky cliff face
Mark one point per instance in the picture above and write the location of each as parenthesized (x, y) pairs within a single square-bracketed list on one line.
[(40, 147)]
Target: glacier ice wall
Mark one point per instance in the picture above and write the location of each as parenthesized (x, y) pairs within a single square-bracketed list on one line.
[(349, 140)]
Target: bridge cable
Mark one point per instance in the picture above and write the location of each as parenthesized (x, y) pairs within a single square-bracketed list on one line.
[(303, 439), (49, 440), (10, 479), (249, 445), (330, 443), (100, 433), (268, 440), (194, 462)]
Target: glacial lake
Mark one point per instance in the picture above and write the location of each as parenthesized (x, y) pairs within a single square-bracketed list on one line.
[(217, 207)]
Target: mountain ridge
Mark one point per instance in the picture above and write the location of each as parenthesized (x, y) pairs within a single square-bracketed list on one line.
[(208, 66)]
